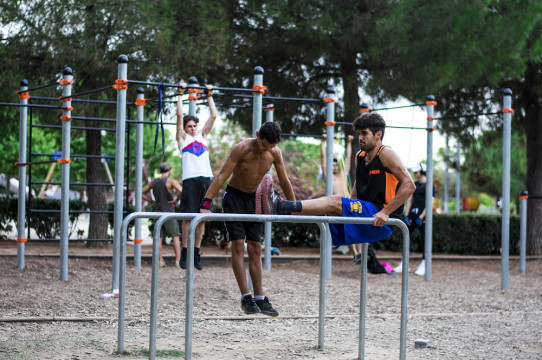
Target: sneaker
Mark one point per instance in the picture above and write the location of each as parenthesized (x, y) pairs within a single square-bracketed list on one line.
[(197, 261), (420, 271), (249, 305), (267, 199), (266, 308), (399, 268), (343, 249), (176, 263), (163, 264), (182, 263), (357, 259)]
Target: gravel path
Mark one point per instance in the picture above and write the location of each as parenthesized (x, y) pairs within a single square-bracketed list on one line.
[(461, 312)]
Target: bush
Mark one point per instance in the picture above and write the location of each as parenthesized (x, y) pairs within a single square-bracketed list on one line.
[(46, 224)]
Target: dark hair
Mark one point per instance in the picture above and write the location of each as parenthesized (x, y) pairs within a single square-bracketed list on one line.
[(188, 118), (372, 121), (270, 131)]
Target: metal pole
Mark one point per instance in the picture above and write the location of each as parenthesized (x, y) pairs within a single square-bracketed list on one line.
[(524, 196), (446, 177), (458, 180), (363, 300), (140, 108), (21, 204), (269, 112), (65, 171), (506, 145), (257, 100), (430, 105), (330, 131), (119, 163), (404, 291), (322, 294), (192, 105)]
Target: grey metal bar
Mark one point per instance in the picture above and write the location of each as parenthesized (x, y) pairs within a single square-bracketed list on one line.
[(257, 101), (362, 300), (67, 75), (192, 103), (506, 146), (119, 167), (21, 203), (322, 290), (330, 131), (429, 189), (269, 113), (458, 179), (524, 196), (446, 177), (259, 218), (138, 177)]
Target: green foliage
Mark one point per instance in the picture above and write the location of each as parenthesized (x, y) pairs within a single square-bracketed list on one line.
[(47, 223), (465, 234)]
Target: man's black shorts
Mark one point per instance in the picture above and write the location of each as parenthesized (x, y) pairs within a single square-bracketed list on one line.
[(239, 202), (194, 190)]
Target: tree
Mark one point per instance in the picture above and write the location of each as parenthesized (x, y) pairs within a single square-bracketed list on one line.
[(163, 41), (466, 53)]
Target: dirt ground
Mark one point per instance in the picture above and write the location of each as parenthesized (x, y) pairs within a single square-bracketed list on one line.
[(462, 312)]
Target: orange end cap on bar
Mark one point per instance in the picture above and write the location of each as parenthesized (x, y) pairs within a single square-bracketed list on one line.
[(431, 102), (330, 123), (261, 89), (138, 241), (21, 240), (64, 161), (328, 100), (65, 82), (508, 111), (141, 102), (65, 118)]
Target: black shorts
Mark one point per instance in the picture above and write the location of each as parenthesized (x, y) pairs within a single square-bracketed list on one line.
[(194, 190), (239, 202)]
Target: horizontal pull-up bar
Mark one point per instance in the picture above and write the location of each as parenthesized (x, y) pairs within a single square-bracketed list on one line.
[(31, 105), (188, 86)]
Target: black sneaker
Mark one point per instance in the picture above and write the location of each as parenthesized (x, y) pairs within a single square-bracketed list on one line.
[(249, 305), (266, 308), (357, 259), (197, 261), (182, 263)]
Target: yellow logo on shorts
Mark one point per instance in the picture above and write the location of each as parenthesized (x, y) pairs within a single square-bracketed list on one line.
[(356, 207)]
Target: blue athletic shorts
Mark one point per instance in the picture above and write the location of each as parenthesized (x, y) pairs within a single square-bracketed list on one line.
[(346, 234)]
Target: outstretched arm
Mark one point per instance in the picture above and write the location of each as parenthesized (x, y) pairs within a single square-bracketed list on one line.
[(392, 161), (180, 135), (212, 108)]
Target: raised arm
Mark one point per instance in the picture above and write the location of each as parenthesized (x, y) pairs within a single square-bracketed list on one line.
[(212, 108), (323, 155), (348, 155), (180, 135), (284, 182)]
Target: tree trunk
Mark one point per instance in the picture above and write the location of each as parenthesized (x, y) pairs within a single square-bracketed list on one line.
[(533, 130), (96, 194), (349, 70)]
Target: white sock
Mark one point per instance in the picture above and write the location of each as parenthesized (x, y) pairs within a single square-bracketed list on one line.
[(247, 294), (259, 297)]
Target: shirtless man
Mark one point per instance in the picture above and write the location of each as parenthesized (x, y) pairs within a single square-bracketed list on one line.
[(247, 164)]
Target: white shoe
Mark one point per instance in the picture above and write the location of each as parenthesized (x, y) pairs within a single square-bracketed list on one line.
[(399, 268), (420, 271), (343, 249)]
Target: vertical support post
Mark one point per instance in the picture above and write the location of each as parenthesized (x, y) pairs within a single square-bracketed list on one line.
[(21, 206), (330, 131), (458, 180), (506, 145), (65, 171), (269, 112), (430, 105), (524, 196), (192, 99), (446, 176), (322, 293), (362, 300), (257, 100), (119, 163), (140, 107)]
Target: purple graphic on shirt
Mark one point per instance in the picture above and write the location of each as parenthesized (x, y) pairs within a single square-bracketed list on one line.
[(196, 148)]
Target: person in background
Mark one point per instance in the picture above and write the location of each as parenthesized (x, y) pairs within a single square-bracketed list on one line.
[(415, 216)]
